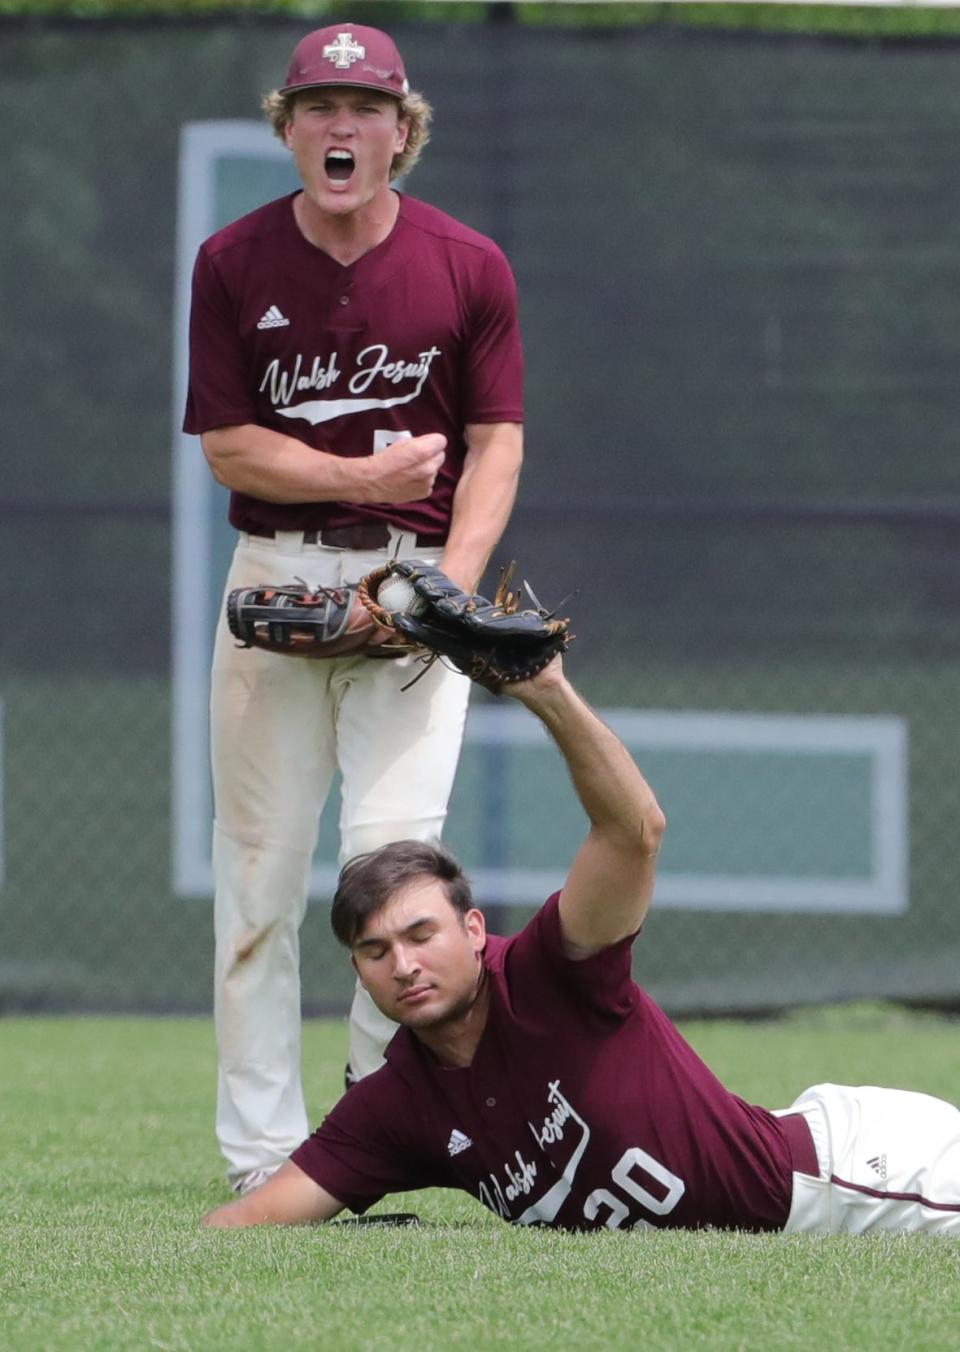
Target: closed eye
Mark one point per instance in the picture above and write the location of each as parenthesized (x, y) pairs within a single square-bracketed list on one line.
[(371, 950), (421, 933)]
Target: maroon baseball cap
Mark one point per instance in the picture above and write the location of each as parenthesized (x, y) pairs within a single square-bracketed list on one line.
[(348, 54)]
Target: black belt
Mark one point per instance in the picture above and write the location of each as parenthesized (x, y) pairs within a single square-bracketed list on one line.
[(799, 1139), (363, 535)]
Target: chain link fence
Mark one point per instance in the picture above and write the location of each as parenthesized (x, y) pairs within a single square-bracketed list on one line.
[(736, 258)]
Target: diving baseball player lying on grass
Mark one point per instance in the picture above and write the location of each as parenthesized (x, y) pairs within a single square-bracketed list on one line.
[(534, 1074)]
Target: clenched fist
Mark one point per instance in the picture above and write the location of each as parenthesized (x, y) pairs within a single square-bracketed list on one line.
[(405, 471)]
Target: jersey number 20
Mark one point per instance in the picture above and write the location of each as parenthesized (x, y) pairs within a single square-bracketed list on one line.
[(617, 1210)]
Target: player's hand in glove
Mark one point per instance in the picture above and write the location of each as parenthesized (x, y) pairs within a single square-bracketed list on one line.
[(493, 642), (308, 622)]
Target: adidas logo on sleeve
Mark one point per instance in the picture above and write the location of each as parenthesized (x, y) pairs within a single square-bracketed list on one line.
[(273, 319)]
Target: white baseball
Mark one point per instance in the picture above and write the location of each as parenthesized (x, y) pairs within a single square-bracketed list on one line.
[(399, 597)]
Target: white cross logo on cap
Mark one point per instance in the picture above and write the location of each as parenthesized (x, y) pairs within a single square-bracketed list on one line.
[(344, 51)]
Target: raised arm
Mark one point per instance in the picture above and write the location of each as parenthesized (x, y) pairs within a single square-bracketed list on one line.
[(610, 884), (289, 1197)]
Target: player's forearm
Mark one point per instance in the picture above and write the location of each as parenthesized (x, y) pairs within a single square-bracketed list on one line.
[(615, 796), (288, 1198), (275, 468), (483, 502)]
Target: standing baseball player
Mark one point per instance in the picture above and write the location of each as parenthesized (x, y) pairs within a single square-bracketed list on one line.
[(532, 1073), (356, 379)]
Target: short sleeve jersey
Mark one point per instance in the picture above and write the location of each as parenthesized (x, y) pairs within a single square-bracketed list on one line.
[(583, 1108), (419, 335)]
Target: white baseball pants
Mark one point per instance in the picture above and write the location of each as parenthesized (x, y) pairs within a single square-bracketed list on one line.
[(280, 727), (889, 1161)]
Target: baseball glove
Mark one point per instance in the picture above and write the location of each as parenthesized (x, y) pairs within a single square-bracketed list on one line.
[(322, 622), (492, 642)]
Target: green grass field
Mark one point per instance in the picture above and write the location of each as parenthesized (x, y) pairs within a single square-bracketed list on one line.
[(108, 1161)]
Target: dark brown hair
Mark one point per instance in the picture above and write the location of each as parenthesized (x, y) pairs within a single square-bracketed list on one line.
[(368, 882)]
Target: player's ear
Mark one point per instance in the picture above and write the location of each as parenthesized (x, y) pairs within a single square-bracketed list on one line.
[(476, 927), (401, 134), (353, 964), (288, 126)]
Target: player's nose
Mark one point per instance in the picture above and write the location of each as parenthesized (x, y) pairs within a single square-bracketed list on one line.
[(342, 123), (404, 963)]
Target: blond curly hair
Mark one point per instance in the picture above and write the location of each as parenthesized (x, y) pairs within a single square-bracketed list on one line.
[(413, 109)]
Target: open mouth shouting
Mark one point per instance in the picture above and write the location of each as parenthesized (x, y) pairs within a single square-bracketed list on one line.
[(339, 166)]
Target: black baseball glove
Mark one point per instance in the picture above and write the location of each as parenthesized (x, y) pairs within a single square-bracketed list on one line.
[(305, 622), (492, 642)]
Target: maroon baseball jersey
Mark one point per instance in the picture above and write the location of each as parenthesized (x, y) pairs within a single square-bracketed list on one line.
[(583, 1107), (419, 335)]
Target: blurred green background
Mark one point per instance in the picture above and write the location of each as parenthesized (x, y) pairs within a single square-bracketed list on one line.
[(736, 231)]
